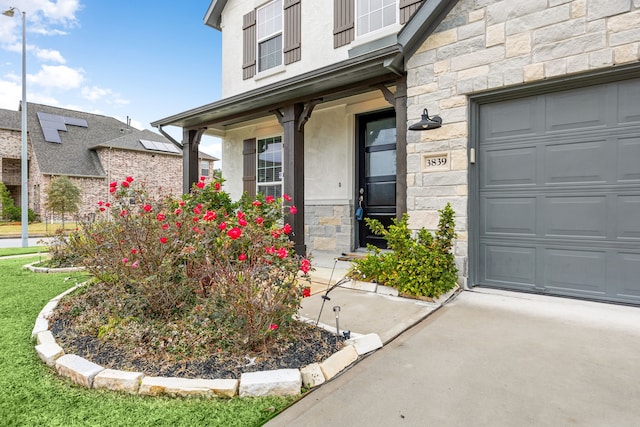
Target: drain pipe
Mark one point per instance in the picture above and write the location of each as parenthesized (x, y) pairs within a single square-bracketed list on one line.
[(169, 137)]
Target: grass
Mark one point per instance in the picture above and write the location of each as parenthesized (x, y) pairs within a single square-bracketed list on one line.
[(39, 228), (31, 394), (22, 251)]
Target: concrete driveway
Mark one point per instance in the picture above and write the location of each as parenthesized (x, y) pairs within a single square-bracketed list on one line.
[(493, 358)]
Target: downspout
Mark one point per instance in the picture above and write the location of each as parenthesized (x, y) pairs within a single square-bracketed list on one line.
[(169, 137)]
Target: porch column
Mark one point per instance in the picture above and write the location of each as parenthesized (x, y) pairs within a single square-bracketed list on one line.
[(293, 170), (190, 149), (400, 105)]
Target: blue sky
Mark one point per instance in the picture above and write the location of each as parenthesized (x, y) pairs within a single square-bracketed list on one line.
[(146, 60)]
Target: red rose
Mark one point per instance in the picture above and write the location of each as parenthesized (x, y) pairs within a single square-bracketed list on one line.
[(200, 184), (197, 210), (113, 184), (222, 225), (217, 186), (147, 208), (242, 257), (123, 212), (165, 226), (305, 266), (134, 251), (269, 199), (112, 190), (234, 233), (108, 205), (177, 211), (125, 260), (100, 203), (160, 217), (273, 326), (163, 240), (259, 220), (293, 210), (256, 203), (306, 292), (202, 178), (242, 222), (124, 183), (129, 179), (240, 215), (282, 253), (286, 229), (101, 209), (286, 197), (209, 216)]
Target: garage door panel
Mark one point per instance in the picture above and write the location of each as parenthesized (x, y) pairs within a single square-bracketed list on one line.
[(506, 167), (558, 200), (575, 271), (629, 159), (509, 216), (580, 216), (513, 118), (628, 96), (628, 218), (577, 162), (576, 109), (515, 265)]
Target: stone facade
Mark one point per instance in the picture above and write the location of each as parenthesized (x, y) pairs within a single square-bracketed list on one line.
[(329, 227), (483, 45)]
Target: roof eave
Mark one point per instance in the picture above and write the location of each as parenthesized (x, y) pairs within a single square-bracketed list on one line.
[(422, 23), (213, 17)]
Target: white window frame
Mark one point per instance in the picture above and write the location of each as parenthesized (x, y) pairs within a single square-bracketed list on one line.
[(384, 29), (208, 163), (279, 182), (268, 36)]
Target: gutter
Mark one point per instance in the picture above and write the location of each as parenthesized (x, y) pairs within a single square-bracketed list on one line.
[(169, 137)]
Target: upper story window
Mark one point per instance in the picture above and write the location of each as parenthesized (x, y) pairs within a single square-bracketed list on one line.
[(269, 35), (204, 168), (373, 15)]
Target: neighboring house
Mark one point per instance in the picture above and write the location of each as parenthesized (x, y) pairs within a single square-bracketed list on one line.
[(90, 149), (538, 153)]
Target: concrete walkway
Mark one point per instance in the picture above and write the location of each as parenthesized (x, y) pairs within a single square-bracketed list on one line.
[(491, 358)]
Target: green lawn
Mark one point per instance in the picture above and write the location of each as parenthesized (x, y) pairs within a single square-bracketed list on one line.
[(34, 228), (21, 251), (32, 395)]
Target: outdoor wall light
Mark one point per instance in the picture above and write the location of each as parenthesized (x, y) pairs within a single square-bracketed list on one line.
[(427, 122)]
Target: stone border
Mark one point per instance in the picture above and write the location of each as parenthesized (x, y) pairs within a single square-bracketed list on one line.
[(389, 291), (281, 382), (35, 269)]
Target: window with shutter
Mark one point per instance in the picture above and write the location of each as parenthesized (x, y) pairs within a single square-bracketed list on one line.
[(249, 45), (343, 33), (269, 35), (407, 8), (292, 31), (269, 166), (374, 15)]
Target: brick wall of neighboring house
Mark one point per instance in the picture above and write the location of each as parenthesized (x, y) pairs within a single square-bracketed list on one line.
[(10, 164), (484, 45)]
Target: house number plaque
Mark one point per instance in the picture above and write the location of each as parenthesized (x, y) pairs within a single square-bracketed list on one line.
[(435, 162)]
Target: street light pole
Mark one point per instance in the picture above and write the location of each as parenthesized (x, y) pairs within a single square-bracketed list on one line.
[(24, 164)]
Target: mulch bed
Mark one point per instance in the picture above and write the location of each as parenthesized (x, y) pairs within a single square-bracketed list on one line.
[(304, 350)]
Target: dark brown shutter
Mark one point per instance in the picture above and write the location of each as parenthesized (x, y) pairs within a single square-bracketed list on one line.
[(291, 31), (249, 167), (343, 17), (249, 45), (407, 8)]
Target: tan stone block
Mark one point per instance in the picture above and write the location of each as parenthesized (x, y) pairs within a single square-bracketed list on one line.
[(442, 38), (45, 337), (578, 9), (462, 190), (49, 352), (625, 21), (280, 382), (312, 375), (338, 361), (79, 370), (422, 89), (111, 379), (155, 386), (426, 219), (474, 72), (324, 243), (518, 44), (329, 221), (533, 72), (459, 160), (441, 66), (626, 53), (447, 131), (495, 35), (476, 15), (453, 102)]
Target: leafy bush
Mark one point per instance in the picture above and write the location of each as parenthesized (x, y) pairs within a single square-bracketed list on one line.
[(421, 266), (226, 265), (58, 250)]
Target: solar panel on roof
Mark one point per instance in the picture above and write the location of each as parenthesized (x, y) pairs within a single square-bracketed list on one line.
[(51, 135), (160, 146), (75, 122), (51, 124)]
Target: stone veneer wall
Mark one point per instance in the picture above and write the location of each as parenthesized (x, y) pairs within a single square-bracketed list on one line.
[(487, 44), (328, 228)]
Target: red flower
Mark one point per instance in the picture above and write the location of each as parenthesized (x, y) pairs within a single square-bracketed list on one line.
[(135, 264), (202, 178), (275, 234), (134, 251), (112, 190), (200, 184), (222, 225), (181, 203), (108, 205), (125, 260), (124, 183), (234, 233), (256, 203), (100, 203), (286, 229), (163, 240), (165, 226), (113, 184), (306, 292), (209, 216), (259, 220), (147, 208), (197, 210), (177, 211), (286, 197), (129, 179), (293, 210), (178, 224), (240, 215), (124, 212), (305, 266), (160, 217), (271, 250), (217, 186), (242, 222), (101, 209), (196, 219), (242, 257), (273, 326), (282, 253), (269, 199)]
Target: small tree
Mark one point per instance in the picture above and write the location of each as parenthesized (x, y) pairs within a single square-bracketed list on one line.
[(63, 196), (5, 201)]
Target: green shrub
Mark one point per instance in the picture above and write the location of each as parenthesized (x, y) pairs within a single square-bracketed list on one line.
[(227, 265), (421, 266), (61, 256)]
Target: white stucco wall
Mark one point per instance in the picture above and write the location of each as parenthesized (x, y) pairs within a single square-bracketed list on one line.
[(316, 44)]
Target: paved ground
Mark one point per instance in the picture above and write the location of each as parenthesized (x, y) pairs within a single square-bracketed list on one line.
[(492, 358)]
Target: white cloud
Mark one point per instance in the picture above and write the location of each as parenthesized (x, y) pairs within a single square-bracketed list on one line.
[(10, 95), (50, 55), (57, 76), (95, 93)]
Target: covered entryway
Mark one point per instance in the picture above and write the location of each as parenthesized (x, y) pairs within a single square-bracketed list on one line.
[(558, 193)]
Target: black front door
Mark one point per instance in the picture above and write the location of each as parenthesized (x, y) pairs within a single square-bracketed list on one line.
[(376, 186)]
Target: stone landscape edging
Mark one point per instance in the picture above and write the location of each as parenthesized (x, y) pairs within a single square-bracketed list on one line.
[(35, 269), (280, 382)]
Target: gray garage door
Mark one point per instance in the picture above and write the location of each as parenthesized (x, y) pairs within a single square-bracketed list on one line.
[(559, 193)]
